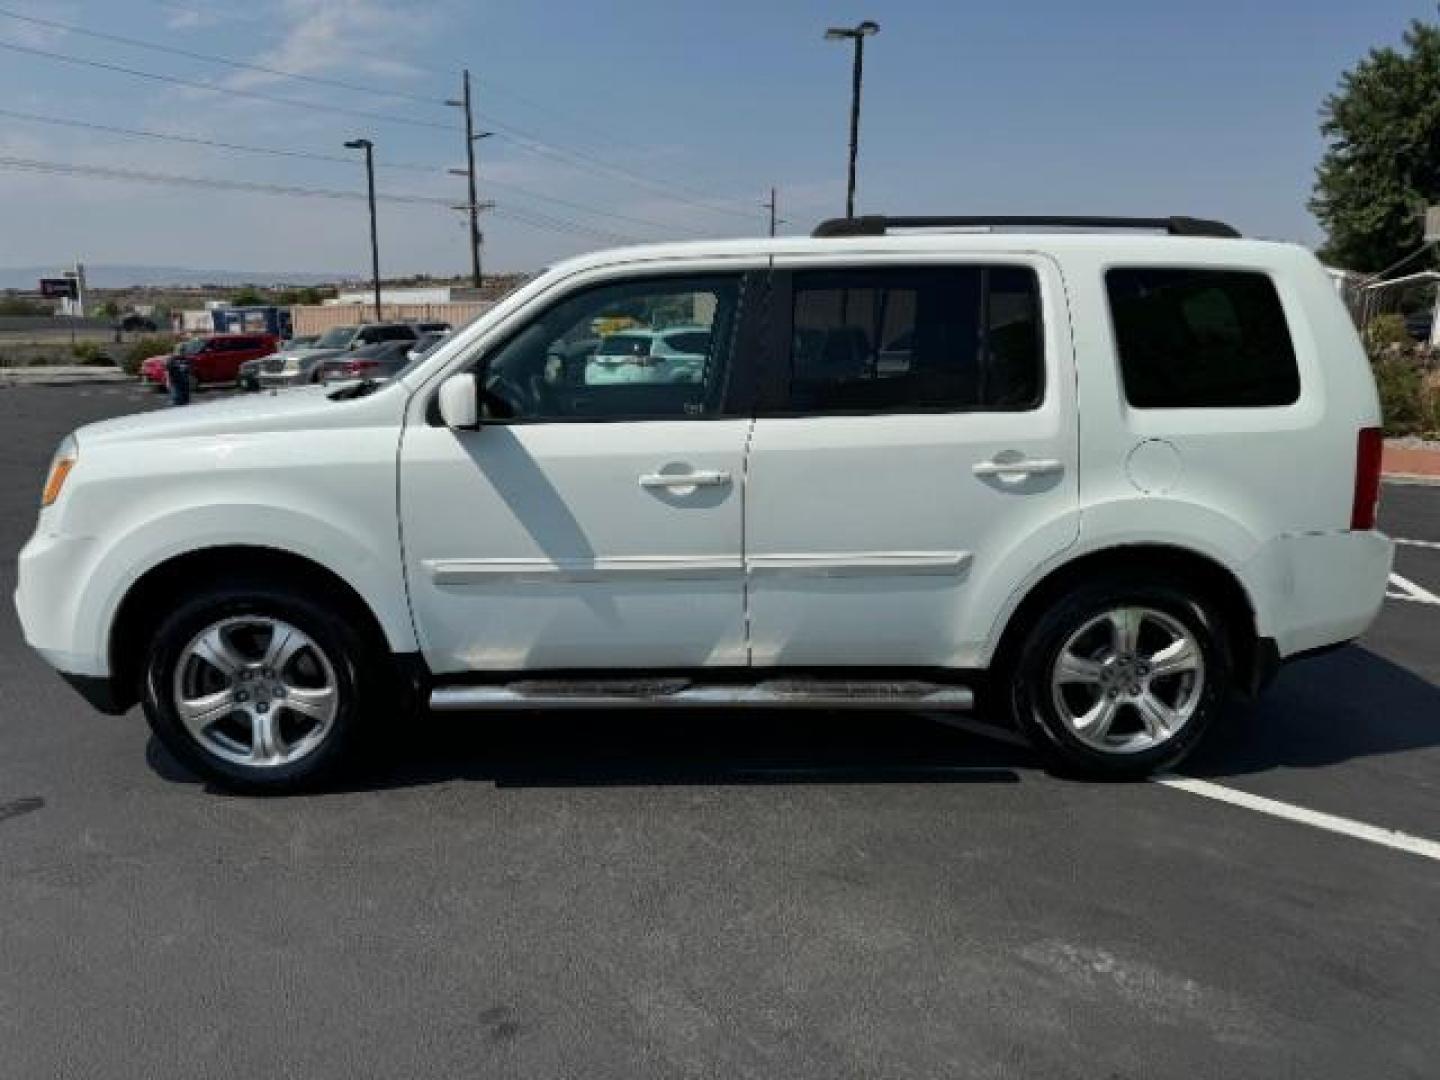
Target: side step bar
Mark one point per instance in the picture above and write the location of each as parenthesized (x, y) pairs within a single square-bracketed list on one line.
[(680, 693)]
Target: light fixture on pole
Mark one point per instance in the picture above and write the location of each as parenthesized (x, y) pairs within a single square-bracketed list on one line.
[(369, 148), (857, 34)]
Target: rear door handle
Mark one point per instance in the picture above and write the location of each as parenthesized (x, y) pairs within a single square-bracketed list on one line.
[(704, 478), (1022, 467)]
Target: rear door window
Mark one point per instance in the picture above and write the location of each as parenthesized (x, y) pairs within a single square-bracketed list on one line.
[(1201, 338), (903, 339)]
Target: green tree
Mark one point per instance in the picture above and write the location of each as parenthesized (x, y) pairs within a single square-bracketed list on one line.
[(15, 305), (248, 297), (1382, 163)]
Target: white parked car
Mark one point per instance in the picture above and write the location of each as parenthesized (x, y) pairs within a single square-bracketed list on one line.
[(674, 354), (1105, 480)]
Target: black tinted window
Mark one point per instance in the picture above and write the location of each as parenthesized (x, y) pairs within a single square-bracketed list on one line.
[(927, 338), (1193, 338), (389, 333)]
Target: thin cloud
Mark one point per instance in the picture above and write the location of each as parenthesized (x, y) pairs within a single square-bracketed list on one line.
[(336, 37), (33, 34)]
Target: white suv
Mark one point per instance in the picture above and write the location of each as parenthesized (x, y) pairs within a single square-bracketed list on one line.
[(1097, 479)]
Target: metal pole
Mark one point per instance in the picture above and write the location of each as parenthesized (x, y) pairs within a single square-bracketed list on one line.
[(771, 205), (374, 230), (474, 206), (854, 123)]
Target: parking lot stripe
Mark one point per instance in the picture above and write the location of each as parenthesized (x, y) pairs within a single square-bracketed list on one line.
[(1389, 838), (1405, 589), (1416, 543)]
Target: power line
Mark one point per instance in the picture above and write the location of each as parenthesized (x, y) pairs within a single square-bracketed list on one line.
[(489, 83), (524, 216), (307, 155), (217, 89), (577, 159), (107, 172), (213, 59), (143, 133), (561, 225), (589, 209), (511, 133)]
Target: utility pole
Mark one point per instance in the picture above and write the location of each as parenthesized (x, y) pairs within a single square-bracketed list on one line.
[(770, 206), (369, 148), (472, 205), (857, 34)]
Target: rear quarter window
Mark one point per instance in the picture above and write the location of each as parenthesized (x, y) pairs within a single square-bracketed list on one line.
[(1190, 337)]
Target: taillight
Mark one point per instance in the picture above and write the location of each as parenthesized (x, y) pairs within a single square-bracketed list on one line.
[(1368, 448), (359, 367)]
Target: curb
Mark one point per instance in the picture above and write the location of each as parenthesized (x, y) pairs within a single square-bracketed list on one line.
[(101, 378), (1414, 479)]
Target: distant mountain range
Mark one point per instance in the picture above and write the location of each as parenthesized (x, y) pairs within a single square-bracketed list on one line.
[(119, 275)]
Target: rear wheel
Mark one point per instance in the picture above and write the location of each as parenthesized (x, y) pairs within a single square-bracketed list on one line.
[(1120, 680), (257, 688)]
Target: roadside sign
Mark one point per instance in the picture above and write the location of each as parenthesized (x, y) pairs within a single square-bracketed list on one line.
[(60, 288)]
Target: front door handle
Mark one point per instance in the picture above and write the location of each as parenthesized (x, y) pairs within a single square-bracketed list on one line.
[(708, 478), (1019, 467)]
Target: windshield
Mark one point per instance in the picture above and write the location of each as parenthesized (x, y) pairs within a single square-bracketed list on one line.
[(190, 348), (337, 337)]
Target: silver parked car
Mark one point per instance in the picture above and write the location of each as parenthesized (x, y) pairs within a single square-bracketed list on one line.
[(298, 367)]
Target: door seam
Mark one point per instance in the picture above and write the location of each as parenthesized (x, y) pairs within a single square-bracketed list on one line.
[(745, 543)]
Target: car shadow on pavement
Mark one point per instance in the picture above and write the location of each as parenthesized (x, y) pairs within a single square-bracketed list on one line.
[(1323, 711), (1348, 705), (616, 748)]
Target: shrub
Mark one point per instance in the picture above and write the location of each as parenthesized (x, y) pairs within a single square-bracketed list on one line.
[(1385, 331), (142, 349), (1409, 397), (90, 352)]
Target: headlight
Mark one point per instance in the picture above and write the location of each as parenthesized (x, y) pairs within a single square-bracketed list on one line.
[(60, 465)]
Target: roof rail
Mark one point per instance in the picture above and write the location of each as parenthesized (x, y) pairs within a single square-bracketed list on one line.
[(879, 224)]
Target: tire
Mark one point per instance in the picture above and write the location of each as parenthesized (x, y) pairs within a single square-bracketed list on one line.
[(1111, 713), (212, 651)]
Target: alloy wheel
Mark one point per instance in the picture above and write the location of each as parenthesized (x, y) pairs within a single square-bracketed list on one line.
[(1128, 680), (256, 691)]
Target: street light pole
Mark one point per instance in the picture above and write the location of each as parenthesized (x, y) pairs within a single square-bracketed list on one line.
[(857, 34), (369, 148)]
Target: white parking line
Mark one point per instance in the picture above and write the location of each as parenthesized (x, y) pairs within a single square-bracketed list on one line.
[(1404, 589), (1389, 838), (1416, 543), (1316, 819)]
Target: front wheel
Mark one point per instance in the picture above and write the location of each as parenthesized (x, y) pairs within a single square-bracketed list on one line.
[(1118, 681), (256, 688)]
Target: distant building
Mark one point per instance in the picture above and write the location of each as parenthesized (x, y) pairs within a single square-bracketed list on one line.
[(430, 294)]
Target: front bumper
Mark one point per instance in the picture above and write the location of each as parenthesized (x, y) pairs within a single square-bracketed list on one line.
[(100, 692), (278, 380)]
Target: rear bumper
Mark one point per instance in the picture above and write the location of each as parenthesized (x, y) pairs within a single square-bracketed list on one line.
[(1315, 590)]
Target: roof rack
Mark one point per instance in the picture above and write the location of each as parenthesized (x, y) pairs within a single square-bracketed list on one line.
[(879, 224)]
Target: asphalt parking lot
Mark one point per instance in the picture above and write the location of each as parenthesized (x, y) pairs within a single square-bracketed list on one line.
[(746, 895)]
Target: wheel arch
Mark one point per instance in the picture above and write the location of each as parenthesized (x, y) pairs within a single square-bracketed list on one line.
[(154, 592), (1169, 563)]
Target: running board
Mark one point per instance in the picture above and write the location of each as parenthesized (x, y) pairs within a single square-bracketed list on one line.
[(683, 694)]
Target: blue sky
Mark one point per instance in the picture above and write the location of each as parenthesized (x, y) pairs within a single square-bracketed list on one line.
[(662, 118)]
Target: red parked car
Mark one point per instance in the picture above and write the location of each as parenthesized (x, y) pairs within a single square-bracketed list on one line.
[(214, 359)]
